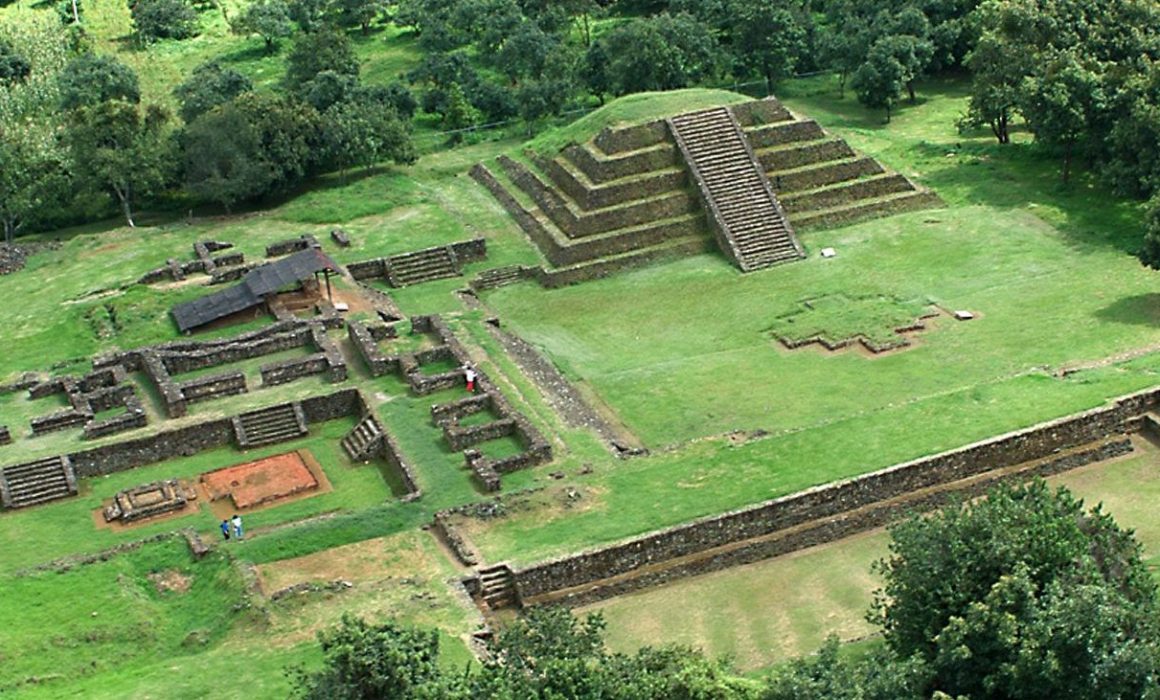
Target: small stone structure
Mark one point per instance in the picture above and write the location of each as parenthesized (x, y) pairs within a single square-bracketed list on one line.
[(420, 266), (162, 363), (262, 481), (292, 245), (206, 262), (100, 391), (149, 500), (340, 238), (5, 436)]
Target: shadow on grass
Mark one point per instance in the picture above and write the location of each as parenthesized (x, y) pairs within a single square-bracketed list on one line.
[(1139, 310), (1016, 176)]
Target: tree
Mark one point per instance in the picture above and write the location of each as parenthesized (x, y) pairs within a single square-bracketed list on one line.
[(359, 13), (269, 19), (831, 676), (164, 19), (879, 81), (32, 176), (659, 53), (364, 133), (91, 79), (1060, 104), (375, 662), (207, 87), (328, 88), (999, 62), (14, 67), (394, 96), (316, 52), (117, 148), (1149, 254), (594, 71), (252, 146), (1022, 595), (309, 15), (768, 39), (459, 114)]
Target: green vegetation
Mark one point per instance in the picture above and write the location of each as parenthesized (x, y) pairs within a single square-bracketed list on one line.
[(838, 318)]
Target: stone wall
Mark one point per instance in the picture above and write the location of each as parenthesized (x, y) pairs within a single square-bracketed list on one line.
[(212, 386), (827, 174), (847, 496), (781, 134), (469, 251), (844, 194), (830, 529), (603, 267), (461, 437), (368, 269), (363, 338), (293, 368), (133, 417), (5, 435), (805, 154), (292, 245), (60, 420)]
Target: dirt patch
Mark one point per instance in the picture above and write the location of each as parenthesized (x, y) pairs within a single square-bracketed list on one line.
[(264, 482), (361, 562), (909, 338), (171, 581)]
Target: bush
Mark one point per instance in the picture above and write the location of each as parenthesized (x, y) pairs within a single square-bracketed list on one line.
[(164, 19)]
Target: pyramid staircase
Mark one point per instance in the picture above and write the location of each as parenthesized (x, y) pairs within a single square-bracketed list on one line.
[(37, 482), (498, 587), (751, 227), (364, 440), (422, 266), (270, 425), (498, 277)]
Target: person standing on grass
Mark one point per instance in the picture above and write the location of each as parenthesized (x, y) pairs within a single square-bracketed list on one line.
[(237, 522), (226, 529), (469, 375)]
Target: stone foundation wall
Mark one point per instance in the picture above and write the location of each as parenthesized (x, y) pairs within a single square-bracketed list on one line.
[(5, 435), (292, 245), (395, 458), (368, 269), (362, 337), (212, 387), (134, 417), (834, 499), (602, 268), (450, 413), (473, 250), (60, 420), (462, 437), (293, 368)]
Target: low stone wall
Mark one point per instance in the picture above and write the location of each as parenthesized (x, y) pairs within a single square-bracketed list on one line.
[(293, 368), (829, 529), (601, 170), (451, 413), (395, 458), (847, 193), (841, 497), (110, 397), (130, 454), (469, 251), (5, 435), (859, 211), (133, 417), (784, 133), (757, 112), (805, 154), (181, 361), (462, 437), (613, 141), (212, 387), (362, 337), (60, 420), (442, 529), (368, 269), (292, 245)]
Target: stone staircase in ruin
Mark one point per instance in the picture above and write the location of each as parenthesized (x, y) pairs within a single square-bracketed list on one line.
[(498, 587), (37, 482), (422, 266), (270, 425), (498, 277), (366, 438), (751, 226)]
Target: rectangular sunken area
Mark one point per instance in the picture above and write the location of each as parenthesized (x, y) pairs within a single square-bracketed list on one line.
[(149, 500), (264, 480)]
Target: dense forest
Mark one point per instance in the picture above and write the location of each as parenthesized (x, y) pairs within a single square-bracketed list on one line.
[(1081, 76)]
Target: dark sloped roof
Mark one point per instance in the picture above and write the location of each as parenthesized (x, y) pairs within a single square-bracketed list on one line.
[(258, 283)]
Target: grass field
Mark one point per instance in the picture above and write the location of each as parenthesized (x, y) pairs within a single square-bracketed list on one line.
[(762, 614), (683, 354)]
